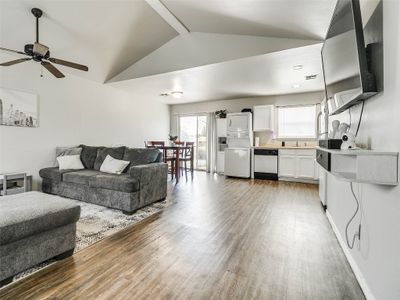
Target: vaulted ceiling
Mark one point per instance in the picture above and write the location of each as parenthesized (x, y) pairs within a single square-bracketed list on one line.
[(298, 19), (127, 39), (108, 36)]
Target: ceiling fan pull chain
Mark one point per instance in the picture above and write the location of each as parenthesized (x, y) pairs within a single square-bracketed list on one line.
[(41, 71)]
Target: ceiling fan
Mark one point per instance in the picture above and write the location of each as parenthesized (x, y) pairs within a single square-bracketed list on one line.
[(40, 53)]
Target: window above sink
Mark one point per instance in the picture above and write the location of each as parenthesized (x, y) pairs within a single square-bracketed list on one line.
[(296, 122)]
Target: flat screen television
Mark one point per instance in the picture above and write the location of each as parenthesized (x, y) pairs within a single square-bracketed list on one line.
[(344, 59)]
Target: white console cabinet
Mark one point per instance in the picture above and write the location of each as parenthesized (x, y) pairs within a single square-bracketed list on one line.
[(364, 166)]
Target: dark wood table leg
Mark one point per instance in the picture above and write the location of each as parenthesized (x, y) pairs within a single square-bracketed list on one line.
[(191, 163), (177, 165)]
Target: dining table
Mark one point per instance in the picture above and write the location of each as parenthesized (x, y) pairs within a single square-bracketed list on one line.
[(177, 151)]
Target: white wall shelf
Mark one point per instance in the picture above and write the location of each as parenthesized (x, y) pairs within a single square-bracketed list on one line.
[(364, 166)]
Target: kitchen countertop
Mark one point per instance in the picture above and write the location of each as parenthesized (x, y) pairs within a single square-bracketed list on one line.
[(285, 147)]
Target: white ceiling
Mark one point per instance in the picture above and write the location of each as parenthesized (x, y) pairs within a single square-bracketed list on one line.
[(302, 19), (111, 35), (199, 49), (268, 74), (107, 36)]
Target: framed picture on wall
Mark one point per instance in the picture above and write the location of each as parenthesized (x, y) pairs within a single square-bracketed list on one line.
[(18, 108)]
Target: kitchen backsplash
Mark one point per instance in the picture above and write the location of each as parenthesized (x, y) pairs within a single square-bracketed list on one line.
[(266, 139)]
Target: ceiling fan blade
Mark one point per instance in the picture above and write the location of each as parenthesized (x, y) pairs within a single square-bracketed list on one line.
[(14, 51), (14, 62), (52, 69), (68, 64)]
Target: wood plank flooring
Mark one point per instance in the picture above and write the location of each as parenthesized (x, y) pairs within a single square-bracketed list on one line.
[(219, 239)]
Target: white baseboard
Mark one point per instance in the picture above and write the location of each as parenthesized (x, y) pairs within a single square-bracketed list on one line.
[(352, 262)]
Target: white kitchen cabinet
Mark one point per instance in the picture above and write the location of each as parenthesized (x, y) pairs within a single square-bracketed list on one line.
[(317, 170), (220, 161), (305, 167), (287, 166), (263, 117), (221, 127), (297, 163)]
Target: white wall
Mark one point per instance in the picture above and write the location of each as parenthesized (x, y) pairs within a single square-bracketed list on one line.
[(378, 257), (236, 105), (73, 111)]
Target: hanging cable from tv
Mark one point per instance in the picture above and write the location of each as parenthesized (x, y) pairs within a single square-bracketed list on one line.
[(357, 234)]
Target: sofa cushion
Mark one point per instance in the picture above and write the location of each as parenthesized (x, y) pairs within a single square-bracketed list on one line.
[(117, 153), (30, 213), (53, 173), (80, 177), (88, 155), (141, 156), (122, 183)]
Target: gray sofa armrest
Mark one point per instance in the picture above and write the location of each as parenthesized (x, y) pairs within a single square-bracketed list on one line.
[(149, 172), (152, 181)]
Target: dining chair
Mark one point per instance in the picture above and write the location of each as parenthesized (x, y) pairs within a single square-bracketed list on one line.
[(187, 157), (180, 143)]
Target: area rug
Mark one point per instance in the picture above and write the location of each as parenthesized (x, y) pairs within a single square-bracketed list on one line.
[(97, 222)]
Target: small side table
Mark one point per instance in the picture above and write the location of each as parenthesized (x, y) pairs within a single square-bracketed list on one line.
[(15, 183)]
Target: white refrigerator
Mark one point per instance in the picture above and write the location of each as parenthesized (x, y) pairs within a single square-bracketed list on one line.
[(240, 141)]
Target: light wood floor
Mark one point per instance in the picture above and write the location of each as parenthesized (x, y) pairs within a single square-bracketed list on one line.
[(219, 239)]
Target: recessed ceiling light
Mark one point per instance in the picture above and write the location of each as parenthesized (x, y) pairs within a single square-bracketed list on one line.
[(297, 67), (296, 86), (177, 94)]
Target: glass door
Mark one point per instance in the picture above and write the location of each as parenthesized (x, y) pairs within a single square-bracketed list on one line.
[(194, 129)]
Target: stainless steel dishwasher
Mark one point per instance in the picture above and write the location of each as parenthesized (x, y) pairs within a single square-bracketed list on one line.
[(266, 164)]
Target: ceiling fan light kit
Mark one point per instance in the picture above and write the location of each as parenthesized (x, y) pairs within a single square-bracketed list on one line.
[(40, 53)]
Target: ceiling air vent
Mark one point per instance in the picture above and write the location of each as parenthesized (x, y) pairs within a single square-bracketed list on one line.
[(310, 77)]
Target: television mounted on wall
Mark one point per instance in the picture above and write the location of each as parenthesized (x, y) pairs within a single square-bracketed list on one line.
[(345, 59)]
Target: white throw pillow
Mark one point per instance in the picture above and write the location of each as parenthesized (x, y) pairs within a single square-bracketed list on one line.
[(114, 166), (70, 162)]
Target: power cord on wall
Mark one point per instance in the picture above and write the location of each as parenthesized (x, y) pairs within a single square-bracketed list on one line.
[(350, 117), (359, 120), (357, 235)]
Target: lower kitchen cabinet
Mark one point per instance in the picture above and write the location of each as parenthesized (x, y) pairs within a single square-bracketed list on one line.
[(305, 166), (287, 166), (220, 161), (297, 163)]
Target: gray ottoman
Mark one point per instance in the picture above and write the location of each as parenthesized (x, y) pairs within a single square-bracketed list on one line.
[(34, 227)]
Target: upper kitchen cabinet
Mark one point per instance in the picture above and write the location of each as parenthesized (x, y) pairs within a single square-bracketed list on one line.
[(263, 117), (221, 127)]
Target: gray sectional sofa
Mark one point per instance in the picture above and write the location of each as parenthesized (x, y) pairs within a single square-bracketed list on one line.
[(143, 182)]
